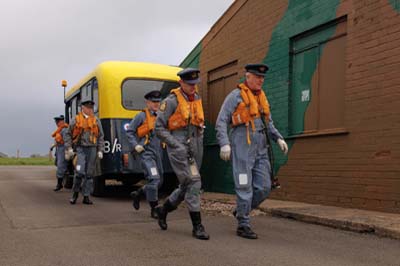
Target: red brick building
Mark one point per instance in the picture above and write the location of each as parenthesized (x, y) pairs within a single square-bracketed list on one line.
[(334, 90)]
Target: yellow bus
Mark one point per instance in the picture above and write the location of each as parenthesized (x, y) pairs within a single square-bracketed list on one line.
[(117, 88)]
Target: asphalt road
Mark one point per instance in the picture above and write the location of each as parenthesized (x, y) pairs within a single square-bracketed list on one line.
[(40, 227)]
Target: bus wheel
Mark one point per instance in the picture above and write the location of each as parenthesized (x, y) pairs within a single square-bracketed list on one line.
[(99, 186)]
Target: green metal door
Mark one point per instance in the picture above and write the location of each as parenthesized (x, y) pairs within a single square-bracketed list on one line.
[(306, 53), (304, 64)]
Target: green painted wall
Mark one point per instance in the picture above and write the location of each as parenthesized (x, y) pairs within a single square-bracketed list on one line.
[(300, 16), (193, 59), (216, 174), (395, 4)]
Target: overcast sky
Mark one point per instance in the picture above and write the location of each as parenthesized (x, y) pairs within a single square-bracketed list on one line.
[(45, 41)]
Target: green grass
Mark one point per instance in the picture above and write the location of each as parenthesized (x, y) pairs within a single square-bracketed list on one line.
[(26, 161)]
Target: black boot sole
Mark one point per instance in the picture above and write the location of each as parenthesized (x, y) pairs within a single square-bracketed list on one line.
[(87, 202), (246, 235), (201, 237)]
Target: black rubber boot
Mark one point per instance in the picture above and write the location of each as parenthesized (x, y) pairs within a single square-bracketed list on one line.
[(153, 205), (198, 229), (59, 184), (87, 201), (162, 212), (246, 232), (74, 198), (136, 195), (234, 212)]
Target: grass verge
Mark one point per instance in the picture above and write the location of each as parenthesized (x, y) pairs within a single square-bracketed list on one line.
[(26, 161)]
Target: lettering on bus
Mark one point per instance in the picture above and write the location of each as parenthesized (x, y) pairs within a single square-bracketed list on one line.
[(115, 147)]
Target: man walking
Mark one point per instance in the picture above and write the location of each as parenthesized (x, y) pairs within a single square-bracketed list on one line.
[(86, 135), (246, 110), (180, 124), (145, 143), (59, 136)]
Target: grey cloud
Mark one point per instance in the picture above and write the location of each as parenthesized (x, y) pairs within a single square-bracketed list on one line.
[(44, 41)]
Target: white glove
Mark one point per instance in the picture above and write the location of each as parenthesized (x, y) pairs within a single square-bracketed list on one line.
[(100, 155), (52, 147), (282, 144), (69, 153), (225, 152), (139, 148)]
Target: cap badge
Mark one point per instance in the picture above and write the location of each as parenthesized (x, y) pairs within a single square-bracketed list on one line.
[(163, 106)]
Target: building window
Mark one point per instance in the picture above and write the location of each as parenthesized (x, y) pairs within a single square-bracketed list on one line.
[(220, 82), (316, 96)]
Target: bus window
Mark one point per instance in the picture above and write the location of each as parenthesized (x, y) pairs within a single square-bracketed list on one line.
[(69, 114), (73, 107), (86, 91), (78, 104), (133, 91), (96, 96)]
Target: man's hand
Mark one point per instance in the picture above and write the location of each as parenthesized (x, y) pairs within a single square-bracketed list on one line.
[(69, 153), (225, 152), (139, 148), (52, 147), (283, 146), (100, 155)]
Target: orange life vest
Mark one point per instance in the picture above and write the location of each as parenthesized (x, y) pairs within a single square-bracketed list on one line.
[(186, 111), (252, 107), (83, 124), (57, 134), (147, 126)]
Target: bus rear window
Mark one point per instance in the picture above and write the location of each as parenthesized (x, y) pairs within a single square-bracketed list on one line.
[(133, 91)]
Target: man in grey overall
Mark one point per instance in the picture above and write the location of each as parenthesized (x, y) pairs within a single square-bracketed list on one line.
[(180, 124), (86, 135), (246, 110), (145, 143), (59, 136)]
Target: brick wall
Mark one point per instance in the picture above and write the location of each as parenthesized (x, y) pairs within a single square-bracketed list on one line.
[(360, 169), (239, 37)]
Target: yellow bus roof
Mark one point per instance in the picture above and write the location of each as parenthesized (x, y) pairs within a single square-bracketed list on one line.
[(110, 76)]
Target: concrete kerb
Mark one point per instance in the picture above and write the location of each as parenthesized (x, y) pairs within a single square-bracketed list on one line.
[(361, 221), (340, 224), (295, 214)]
